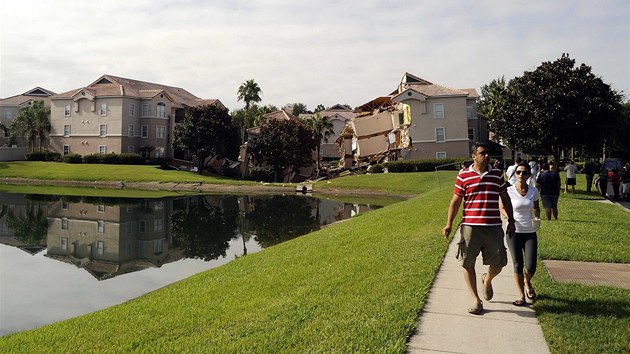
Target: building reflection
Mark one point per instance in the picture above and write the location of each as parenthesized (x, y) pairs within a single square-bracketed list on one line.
[(108, 237)]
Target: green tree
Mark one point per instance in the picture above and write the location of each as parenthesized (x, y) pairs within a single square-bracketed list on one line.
[(492, 96), (32, 122), (322, 129), (320, 107), (283, 144), (249, 92), (207, 131), (556, 107), (297, 108), (29, 226), (620, 141)]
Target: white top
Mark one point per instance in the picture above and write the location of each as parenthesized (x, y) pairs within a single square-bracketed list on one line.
[(535, 167), (523, 207), (571, 170), (511, 175)]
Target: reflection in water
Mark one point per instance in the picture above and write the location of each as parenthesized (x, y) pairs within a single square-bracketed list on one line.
[(108, 237)]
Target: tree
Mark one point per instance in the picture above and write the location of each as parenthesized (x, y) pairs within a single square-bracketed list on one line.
[(32, 122), (296, 108), (320, 107), (207, 131), (492, 96), (283, 144), (30, 226), (620, 141), (249, 91), (556, 107), (322, 129)]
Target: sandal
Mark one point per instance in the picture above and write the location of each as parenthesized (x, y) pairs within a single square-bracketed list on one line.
[(488, 293), (518, 302), (530, 292), (476, 309)]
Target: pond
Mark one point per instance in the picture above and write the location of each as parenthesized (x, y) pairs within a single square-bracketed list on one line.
[(64, 256)]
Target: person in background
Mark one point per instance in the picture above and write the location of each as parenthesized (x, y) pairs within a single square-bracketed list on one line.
[(535, 171), (525, 206), (615, 182), (552, 166), (509, 174), (625, 182), (589, 172), (548, 184), (480, 187), (602, 180), (571, 171)]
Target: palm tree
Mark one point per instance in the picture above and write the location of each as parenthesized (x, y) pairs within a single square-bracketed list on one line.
[(32, 122), (322, 130), (249, 91)]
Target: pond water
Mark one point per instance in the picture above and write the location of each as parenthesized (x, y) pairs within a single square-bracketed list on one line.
[(62, 257)]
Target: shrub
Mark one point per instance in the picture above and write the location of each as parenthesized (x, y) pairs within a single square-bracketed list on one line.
[(261, 174), (43, 156), (129, 158), (378, 168), (110, 158), (73, 158), (92, 158)]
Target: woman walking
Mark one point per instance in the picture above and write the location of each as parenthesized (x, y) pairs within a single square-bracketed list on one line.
[(523, 244)]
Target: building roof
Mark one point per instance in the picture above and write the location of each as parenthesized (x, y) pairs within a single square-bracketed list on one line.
[(337, 110), (37, 93), (109, 85), (429, 89)]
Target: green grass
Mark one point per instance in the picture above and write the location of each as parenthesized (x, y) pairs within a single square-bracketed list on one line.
[(356, 286)]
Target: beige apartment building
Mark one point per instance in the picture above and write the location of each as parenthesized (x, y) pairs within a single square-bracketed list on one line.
[(116, 115), (10, 109), (339, 115), (443, 122)]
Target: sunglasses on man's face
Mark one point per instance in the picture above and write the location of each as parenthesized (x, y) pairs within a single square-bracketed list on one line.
[(524, 173)]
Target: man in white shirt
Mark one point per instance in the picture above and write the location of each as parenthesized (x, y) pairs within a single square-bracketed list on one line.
[(510, 174), (571, 171)]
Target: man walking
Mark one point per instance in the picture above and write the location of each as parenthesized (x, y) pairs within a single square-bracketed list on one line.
[(571, 171), (548, 183), (480, 186)]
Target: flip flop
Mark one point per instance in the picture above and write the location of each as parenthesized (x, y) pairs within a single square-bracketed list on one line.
[(530, 293), (476, 309), (518, 302), (488, 293)]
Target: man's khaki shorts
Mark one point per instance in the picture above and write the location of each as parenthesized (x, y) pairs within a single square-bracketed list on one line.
[(485, 239)]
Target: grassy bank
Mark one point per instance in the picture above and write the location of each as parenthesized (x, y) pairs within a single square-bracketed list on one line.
[(355, 286)]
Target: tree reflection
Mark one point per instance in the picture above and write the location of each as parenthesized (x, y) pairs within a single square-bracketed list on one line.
[(281, 218), (30, 225), (204, 230)]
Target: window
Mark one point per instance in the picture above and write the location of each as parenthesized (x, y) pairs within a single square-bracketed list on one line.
[(130, 130), (158, 225), (158, 246), (100, 208), (438, 110), (7, 115), (145, 110), (160, 132), (102, 130), (130, 148), (142, 226), (64, 223), (103, 109), (66, 130), (66, 149), (65, 206), (132, 110), (470, 111), (439, 135), (66, 110), (471, 134), (440, 155), (102, 149), (161, 110), (100, 227), (64, 243), (100, 248), (144, 131)]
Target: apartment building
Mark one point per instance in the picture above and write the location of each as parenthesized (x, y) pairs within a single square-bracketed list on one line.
[(339, 116), (115, 114), (10, 109)]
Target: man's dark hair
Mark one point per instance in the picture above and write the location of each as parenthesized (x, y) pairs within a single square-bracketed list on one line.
[(518, 160), (477, 145)]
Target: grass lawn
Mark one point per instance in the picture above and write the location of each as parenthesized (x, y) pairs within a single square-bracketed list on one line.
[(355, 286)]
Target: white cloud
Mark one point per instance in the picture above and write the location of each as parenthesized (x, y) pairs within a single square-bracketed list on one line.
[(304, 51)]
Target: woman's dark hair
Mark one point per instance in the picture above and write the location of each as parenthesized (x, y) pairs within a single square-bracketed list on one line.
[(527, 167)]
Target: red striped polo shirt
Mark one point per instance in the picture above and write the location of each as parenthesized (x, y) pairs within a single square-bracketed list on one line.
[(481, 195)]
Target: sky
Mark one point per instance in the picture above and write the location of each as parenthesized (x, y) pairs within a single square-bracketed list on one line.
[(312, 52)]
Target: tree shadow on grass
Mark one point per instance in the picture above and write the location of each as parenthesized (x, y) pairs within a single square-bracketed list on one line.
[(593, 307)]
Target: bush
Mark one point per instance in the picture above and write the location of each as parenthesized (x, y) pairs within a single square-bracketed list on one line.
[(43, 156), (92, 158), (73, 158), (378, 168), (129, 158), (261, 174)]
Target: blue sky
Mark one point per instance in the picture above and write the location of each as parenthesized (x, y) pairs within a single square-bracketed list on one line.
[(312, 52)]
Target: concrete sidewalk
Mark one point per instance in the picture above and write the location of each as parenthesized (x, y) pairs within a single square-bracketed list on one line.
[(446, 327)]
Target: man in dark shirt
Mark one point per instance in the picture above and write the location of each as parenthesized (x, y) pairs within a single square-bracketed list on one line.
[(548, 183), (589, 172)]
